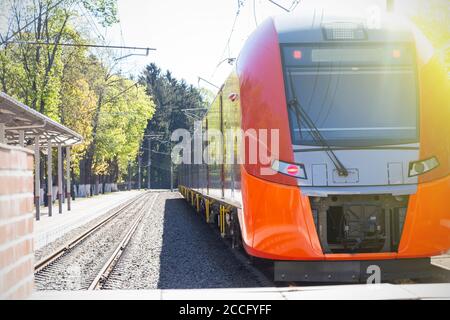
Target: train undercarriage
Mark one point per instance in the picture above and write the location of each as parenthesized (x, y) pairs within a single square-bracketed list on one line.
[(354, 224), (359, 223)]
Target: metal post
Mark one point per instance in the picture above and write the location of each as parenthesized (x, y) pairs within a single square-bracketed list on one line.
[(390, 5), (68, 187), (60, 178), (149, 181), (49, 178), (22, 138), (139, 172), (129, 175), (37, 178), (171, 170), (2, 133)]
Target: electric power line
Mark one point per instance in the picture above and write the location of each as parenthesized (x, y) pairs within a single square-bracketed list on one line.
[(40, 43), (135, 85), (208, 82), (279, 5), (254, 13), (7, 39), (294, 5), (91, 21), (122, 38), (227, 45), (241, 3)]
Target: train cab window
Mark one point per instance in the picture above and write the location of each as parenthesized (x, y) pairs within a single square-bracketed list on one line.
[(355, 95)]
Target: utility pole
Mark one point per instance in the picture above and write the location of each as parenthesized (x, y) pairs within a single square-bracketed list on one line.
[(129, 175), (390, 5), (139, 172), (149, 159), (171, 168), (149, 181)]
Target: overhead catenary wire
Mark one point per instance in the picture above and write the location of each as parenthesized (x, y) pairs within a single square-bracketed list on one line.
[(279, 5), (7, 39), (91, 22), (241, 3), (254, 13), (294, 5), (42, 43), (227, 45), (208, 82), (122, 39), (9, 28), (135, 85)]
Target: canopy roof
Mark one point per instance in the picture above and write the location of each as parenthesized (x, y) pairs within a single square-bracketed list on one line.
[(18, 117)]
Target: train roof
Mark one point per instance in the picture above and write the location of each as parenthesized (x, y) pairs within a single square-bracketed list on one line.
[(321, 26)]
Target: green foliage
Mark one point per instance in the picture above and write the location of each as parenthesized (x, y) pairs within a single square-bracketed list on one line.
[(79, 99), (207, 97), (172, 97), (432, 18), (77, 89), (104, 10), (122, 125)]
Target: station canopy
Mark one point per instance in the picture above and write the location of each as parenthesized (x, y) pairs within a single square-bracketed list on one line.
[(17, 117)]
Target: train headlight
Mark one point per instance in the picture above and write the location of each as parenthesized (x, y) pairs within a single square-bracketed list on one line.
[(290, 169), (421, 167)]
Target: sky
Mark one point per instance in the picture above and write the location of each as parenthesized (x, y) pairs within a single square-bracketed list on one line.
[(191, 35)]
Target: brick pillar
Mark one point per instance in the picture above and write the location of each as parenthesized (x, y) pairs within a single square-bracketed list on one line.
[(16, 223)]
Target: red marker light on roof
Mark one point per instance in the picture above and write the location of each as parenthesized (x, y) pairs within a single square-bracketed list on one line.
[(297, 54), (396, 54)]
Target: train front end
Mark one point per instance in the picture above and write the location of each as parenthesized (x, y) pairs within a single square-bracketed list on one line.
[(361, 178)]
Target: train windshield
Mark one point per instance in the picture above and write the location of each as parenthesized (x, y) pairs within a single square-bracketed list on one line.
[(355, 95)]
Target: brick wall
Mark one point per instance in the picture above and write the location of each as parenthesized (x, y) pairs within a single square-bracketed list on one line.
[(16, 222)]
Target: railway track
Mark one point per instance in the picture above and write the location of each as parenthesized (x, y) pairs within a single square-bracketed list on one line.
[(81, 263), (150, 243), (173, 249), (108, 268)]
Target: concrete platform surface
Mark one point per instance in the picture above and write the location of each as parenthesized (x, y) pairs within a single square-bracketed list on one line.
[(442, 261), (344, 292), (48, 229)]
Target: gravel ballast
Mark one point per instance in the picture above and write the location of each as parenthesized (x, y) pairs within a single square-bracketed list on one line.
[(76, 269), (174, 249)]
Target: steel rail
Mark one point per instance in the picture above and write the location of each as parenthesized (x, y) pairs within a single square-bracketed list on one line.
[(112, 262), (73, 243)]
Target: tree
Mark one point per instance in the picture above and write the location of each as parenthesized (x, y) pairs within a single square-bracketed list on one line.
[(432, 18), (72, 86), (172, 97), (121, 128)]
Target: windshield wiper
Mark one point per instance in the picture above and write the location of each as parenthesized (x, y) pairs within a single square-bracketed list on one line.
[(301, 114)]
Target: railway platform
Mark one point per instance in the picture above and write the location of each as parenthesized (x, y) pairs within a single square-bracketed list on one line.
[(84, 210), (343, 292)]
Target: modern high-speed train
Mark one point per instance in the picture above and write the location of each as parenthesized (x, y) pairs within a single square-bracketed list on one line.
[(356, 176)]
